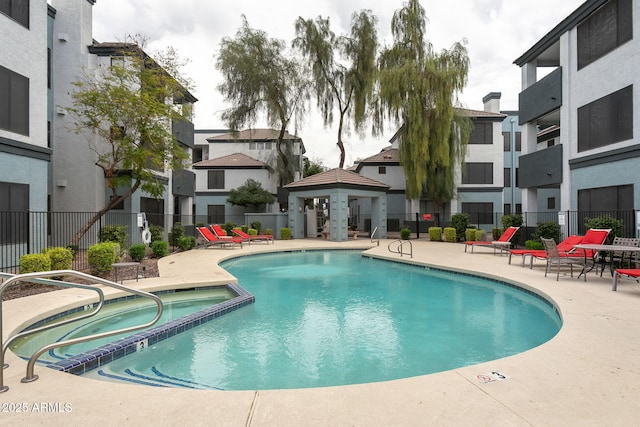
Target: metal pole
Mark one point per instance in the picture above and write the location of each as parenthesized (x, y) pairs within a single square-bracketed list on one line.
[(417, 225), (513, 166)]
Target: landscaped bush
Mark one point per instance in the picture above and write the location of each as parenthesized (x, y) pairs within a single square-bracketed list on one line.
[(160, 249), (268, 232), (113, 233), (138, 252), (460, 222), (435, 234), (176, 233), (479, 235), (61, 258), (533, 244), (156, 233), (252, 232), (605, 221), (548, 230), (450, 234), (285, 233), (31, 263), (496, 233), (102, 256), (186, 243), (244, 228), (256, 225), (405, 234), (470, 234), (74, 248)]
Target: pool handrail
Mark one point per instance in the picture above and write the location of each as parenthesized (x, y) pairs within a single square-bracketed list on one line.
[(373, 233), (39, 275), (25, 333), (399, 250)]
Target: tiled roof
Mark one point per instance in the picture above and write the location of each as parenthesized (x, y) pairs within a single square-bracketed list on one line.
[(480, 113), (388, 156), (252, 135), (334, 178), (232, 161)]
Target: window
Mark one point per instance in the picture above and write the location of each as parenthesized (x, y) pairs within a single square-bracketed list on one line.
[(616, 198), (606, 121), (18, 10), (382, 170), (609, 27), (507, 177), (215, 214), (14, 101), (506, 136), (551, 203), (267, 146), (482, 133), (506, 209), (479, 213), (215, 180), (477, 173), (14, 212), (551, 143)]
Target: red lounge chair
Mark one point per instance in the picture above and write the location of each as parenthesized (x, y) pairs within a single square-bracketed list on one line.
[(211, 239), (629, 272), (221, 234), (503, 243), (565, 248), (257, 238)]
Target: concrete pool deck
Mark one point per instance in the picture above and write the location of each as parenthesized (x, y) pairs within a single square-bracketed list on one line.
[(589, 374)]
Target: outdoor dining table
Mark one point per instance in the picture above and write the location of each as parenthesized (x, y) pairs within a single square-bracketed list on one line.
[(610, 248)]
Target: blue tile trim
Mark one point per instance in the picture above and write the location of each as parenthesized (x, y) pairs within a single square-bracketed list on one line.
[(102, 355)]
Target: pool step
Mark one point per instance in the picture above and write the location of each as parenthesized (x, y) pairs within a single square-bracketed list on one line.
[(156, 379)]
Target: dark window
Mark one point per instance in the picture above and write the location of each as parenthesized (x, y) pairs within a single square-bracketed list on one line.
[(153, 209), (518, 208), (479, 213), (507, 177), (616, 198), (215, 180), (14, 212), (551, 203), (517, 177), (49, 65), (506, 209), (197, 154), (18, 10), (14, 102), (477, 173), (606, 29), (551, 143), (482, 133), (506, 136), (606, 121), (215, 214), (382, 170)]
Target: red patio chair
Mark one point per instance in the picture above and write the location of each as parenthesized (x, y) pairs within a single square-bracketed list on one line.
[(503, 243), (212, 240), (633, 273), (257, 238)]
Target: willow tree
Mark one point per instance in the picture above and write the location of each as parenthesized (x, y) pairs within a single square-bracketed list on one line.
[(343, 68), (259, 81), (418, 90), (126, 110)]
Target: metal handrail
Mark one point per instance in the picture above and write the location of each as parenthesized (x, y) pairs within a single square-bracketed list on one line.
[(37, 277), (373, 233), (399, 250)]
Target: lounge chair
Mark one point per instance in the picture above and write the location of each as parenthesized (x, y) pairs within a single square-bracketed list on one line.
[(553, 257), (633, 273), (565, 248), (211, 239), (502, 244), (618, 257), (256, 238)]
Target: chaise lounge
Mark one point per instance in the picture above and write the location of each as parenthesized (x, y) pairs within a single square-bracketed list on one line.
[(211, 239), (502, 244)]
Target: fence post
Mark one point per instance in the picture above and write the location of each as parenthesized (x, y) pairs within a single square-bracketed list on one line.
[(417, 225)]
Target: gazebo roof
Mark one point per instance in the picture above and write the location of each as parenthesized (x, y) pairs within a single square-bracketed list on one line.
[(336, 178)]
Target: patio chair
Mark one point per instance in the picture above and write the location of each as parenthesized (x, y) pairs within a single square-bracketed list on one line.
[(255, 238), (211, 239), (632, 273), (502, 244), (553, 257), (565, 248), (618, 257)]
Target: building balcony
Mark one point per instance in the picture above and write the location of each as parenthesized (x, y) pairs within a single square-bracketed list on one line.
[(542, 168), (540, 100), (183, 131)]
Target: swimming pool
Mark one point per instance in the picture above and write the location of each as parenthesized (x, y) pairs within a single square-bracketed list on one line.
[(323, 318)]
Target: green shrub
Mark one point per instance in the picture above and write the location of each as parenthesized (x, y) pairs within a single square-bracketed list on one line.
[(138, 252), (160, 249), (176, 233), (256, 225), (496, 233), (533, 244), (605, 221), (74, 248), (30, 263), (470, 234), (228, 228), (156, 233), (102, 256), (285, 233), (435, 234), (268, 232), (252, 232), (113, 233), (460, 222), (186, 242), (548, 230), (405, 233), (61, 258), (479, 235), (450, 234)]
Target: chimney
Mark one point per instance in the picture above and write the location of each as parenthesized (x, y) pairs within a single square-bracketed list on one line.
[(492, 102)]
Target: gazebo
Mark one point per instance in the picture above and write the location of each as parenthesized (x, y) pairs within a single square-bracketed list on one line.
[(337, 185)]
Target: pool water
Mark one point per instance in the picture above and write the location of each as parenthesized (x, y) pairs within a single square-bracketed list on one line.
[(116, 315), (326, 318)]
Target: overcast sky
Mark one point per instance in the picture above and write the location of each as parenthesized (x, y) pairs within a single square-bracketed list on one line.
[(496, 32)]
